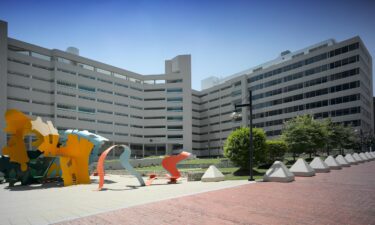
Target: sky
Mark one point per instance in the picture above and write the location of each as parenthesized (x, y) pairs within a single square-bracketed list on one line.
[(223, 37)]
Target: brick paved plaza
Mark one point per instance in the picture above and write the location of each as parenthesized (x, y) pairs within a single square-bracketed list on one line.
[(345, 196)]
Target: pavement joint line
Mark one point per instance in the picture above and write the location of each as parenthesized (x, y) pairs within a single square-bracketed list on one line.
[(147, 202)]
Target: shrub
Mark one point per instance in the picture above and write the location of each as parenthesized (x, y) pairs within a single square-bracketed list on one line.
[(275, 150), (236, 147)]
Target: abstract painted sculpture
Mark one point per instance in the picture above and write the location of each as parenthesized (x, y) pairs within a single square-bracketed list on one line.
[(169, 163), (73, 155), (67, 155), (124, 160)]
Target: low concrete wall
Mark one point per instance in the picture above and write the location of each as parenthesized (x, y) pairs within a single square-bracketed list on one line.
[(225, 163), (116, 165)]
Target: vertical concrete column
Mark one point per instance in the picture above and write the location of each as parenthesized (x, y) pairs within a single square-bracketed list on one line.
[(180, 68), (3, 79), (184, 64)]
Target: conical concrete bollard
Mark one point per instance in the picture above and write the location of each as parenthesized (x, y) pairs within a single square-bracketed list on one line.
[(212, 174), (351, 159), (278, 173), (342, 161), (369, 156), (319, 166), (332, 163), (363, 157), (302, 169), (357, 158)]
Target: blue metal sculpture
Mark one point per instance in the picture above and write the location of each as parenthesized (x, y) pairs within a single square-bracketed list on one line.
[(124, 160)]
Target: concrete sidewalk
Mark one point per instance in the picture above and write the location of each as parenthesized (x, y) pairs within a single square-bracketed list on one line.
[(345, 196), (51, 203)]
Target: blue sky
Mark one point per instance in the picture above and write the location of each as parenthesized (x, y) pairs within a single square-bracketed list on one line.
[(223, 37)]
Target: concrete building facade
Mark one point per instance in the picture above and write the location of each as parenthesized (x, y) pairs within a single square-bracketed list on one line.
[(151, 113), (157, 114), (329, 79)]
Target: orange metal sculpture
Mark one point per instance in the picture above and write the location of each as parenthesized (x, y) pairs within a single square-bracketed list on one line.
[(100, 168), (169, 163)]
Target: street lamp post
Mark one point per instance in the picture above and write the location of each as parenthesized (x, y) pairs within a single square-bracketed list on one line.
[(361, 133), (235, 115)]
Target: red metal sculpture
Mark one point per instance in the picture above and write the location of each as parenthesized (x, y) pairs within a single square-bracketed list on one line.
[(169, 163)]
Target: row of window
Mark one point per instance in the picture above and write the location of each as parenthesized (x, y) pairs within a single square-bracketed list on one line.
[(309, 83), (308, 106), (92, 111), (308, 61), (320, 115), (89, 89), (295, 76), (309, 72), (169, 127), (311, 94), (84, 66), (29, 76), (30, 64)]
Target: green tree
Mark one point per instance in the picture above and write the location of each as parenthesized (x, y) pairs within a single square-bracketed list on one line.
[(276, 149), (339, 136), (304, 134), (236, 147), (333, 134), (350, 138)]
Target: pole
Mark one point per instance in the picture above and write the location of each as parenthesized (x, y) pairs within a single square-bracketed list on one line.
[(361, 134), (251, 149)]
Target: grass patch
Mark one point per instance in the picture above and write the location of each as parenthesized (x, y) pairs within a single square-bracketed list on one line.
[(210, 161), (149, 168), (244, 174)]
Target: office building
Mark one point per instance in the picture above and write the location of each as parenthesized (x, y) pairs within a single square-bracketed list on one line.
[(157, 114), (150, 113)]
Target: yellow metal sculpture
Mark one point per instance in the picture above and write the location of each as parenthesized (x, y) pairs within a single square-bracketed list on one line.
[(74, 155), (18, 126)]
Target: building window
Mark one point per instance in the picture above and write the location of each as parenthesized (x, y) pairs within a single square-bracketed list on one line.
[(174, 81), (105, 122), (66, 107), (175, 109), (174, 99), (85, 66), (41, 56), (174, 118), (87, 98), (86, 88), (175, 127), (174, 90), (104, 101), (175, 136), (120, 76), (66, 84), (106, 72), (105, 91), (86, 110)]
